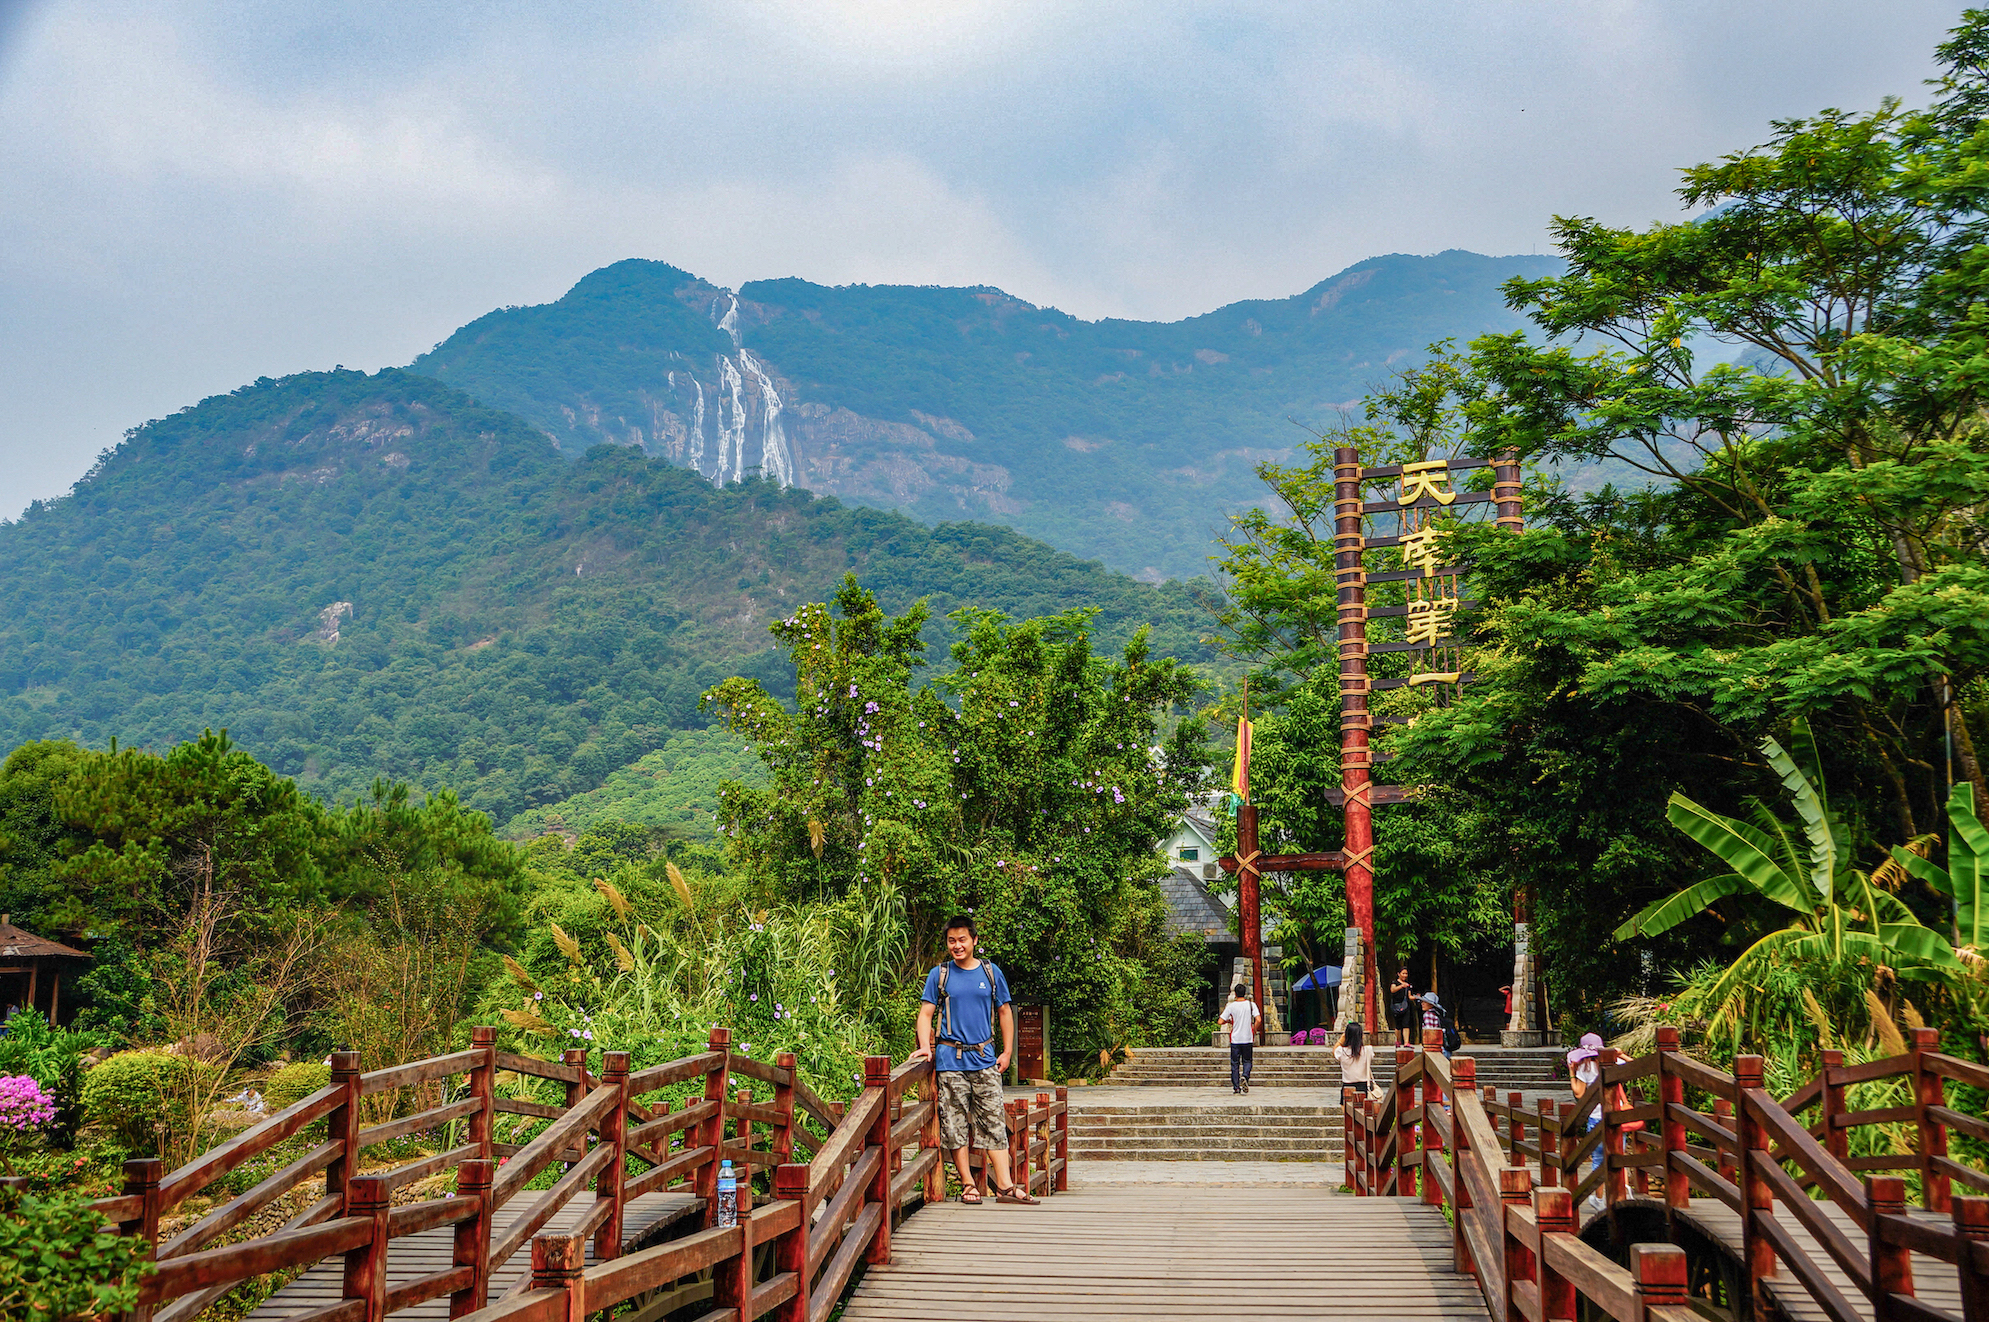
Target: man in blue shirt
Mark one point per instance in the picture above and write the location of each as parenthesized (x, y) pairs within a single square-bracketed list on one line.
[(968, 1072)]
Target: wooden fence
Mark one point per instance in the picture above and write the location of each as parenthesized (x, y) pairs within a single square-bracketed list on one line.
[(1514, 1179), (838, 1187)]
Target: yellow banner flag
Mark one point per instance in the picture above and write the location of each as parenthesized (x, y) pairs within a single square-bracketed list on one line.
[(1239, 776)]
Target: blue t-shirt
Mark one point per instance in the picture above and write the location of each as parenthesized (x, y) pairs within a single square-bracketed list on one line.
[(973, 1015)]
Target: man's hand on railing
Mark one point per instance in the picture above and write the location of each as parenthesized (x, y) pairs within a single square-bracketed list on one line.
[(923, 1053)]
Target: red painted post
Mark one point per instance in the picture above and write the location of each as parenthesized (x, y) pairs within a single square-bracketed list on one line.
[(483, 1087), (1671, 1099), (1515, 1190), (1063, 1140), (1935, 1186), (1616, 1180), (1756, 1199), (576, 1093), (613, 1179), (1405, 1132), (342, 1124), (1432, 1140), (1658, 1271), (1892, 1265), (877, 1074), (1836, 1139), (559, 1263), (1347, 1096), (1356, 722), (783, 1100), (1549, 1134), (1463, 1083), (732, 1278), (472, 1239), (367, 1197), (1049, 1143), (1554, 1212), (1971, 1228), (1729, 1161), (711, 1133), (1516, 1115), (935, 1179), (790, 1250)]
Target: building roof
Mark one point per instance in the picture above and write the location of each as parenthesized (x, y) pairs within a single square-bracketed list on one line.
[(16, 944)]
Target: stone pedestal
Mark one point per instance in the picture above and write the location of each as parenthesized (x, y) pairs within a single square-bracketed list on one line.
[(1353, 982)]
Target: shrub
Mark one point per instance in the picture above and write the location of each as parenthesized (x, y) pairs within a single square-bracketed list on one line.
[(52, 1057), (293, 1083), (57, 1262), (131, 1095)]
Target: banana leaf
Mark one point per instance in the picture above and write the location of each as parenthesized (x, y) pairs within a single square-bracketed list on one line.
[(1667, 913), (1820, 833), (1968, 858), (1730, 840)]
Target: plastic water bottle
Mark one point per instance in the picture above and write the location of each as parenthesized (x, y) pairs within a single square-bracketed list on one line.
[(728, 1195)]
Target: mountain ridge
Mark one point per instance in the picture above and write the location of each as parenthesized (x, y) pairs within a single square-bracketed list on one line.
[(1123, 440)]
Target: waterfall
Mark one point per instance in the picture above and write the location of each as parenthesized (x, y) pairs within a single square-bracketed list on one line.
[(729, 323), (735, 431), (776, 460)]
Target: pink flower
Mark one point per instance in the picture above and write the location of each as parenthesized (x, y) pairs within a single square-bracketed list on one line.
[(24, 1107)]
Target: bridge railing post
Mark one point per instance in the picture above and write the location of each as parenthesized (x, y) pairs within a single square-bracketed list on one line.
[(1063, 1138), (472, 1238), (711, 1133), (612, 1181), (1405, 1131), (732, 1277), (1432, 1140), (1515, 1190), (1831, 1104), (1756, 1198), (935, 1179), (342, 1125), (141, 1178), (1671, 1099), (1936, 1190), (1348, 1149), (1554, 1213), (1971, 1228), (1615, 1178), (783, 1100), (877, 1074), (1516, 1118), (1568, 1140), (790, 1248), (368, 1198), (1892, 1264), (1549, 1134), (483, 1087), (1658, 1271), (1046, 1126), (575, 1058), (559, 1262), (1463, 1083), (1729, 1160)]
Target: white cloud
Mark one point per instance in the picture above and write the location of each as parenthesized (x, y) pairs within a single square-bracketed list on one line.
[(201, 191)]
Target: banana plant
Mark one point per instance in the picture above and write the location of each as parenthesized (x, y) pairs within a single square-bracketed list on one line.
[(1832, 911), (1965, 880)]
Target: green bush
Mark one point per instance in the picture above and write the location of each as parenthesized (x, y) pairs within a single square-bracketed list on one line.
[(57, 1262), (52, 1057), (131, 1095), (293, 1083)]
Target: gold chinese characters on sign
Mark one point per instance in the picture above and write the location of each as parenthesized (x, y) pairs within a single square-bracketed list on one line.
[(1431, 479), (1429, 620)]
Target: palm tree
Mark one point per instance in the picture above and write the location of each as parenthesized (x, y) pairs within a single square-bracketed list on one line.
[(1831, 913)]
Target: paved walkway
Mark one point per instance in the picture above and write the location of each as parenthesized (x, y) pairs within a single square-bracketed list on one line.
[(1106, 1252)]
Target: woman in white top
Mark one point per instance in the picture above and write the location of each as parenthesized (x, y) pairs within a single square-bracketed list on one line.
[(1356, 1059)]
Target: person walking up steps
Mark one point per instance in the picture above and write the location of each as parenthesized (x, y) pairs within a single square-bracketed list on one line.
[(968, 997), (1242, 1016)]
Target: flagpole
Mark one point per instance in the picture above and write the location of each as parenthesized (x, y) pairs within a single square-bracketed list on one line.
[(1249, 912)]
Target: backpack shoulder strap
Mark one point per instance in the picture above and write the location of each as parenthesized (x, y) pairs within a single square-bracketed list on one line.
[(945, 1002)]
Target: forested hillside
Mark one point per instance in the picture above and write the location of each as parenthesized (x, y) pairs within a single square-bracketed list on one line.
[(366, 576), (1125, 440)]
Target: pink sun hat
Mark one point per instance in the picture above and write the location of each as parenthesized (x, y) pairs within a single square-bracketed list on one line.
[(1590, 1048)]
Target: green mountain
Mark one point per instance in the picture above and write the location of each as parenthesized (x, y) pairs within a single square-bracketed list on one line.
[(676, 787), (1127, 441), (376, 575)]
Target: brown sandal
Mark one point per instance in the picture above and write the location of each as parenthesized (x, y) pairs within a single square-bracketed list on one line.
[(970, 1196), (1015, 1193)]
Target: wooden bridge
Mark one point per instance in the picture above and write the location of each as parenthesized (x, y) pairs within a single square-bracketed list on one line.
[(1692, 1193), (1715, 1200)]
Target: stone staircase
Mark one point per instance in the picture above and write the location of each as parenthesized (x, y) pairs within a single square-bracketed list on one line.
[(1249, 1130), (1533, 1069)]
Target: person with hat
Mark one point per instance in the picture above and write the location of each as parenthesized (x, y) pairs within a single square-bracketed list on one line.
[(1434, 1016), (1585, 1073)]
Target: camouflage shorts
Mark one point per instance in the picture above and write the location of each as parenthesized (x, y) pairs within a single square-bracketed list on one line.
[(971, 1099)]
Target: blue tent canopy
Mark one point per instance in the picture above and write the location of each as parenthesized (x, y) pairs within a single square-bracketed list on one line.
[(1326, 975)]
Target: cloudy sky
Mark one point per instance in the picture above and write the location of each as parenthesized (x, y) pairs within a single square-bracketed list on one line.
[(196, 194)]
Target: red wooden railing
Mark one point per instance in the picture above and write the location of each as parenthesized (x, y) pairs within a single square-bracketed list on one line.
[(1435, 1136), (850, 1186)]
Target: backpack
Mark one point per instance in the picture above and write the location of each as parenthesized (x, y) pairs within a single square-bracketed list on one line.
[(944, 1026), (1452, 1039)]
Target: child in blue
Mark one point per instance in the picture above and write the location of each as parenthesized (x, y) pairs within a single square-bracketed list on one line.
[(966, 1066)]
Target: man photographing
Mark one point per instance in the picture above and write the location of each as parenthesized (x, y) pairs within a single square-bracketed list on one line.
[(967, 997)]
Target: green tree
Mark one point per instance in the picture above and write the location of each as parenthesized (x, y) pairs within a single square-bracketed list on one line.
[(1026, 784)]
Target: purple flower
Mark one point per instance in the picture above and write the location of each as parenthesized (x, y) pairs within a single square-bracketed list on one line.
[(24, 1107)]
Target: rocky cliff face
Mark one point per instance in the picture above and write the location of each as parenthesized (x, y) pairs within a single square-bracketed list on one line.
[(1128, 441)]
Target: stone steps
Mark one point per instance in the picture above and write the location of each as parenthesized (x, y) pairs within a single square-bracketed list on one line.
[(1217, 1132)]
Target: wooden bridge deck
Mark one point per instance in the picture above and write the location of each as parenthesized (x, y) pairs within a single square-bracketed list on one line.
[(1104, 1252), (430, 1251)]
